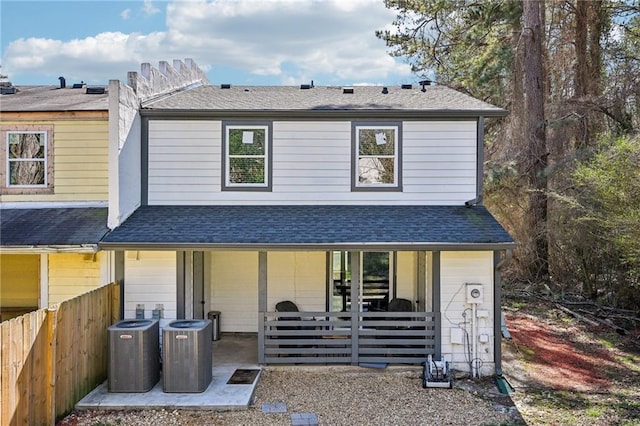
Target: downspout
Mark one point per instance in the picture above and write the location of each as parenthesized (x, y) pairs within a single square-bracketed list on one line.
[(499, 263)]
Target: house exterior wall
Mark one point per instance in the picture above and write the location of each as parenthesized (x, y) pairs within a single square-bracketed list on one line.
[(71, 274), (20, 278), (234, 290), (299, 277), (457, 269), (150, 279), (406, 276), (311, 164), (80, 157)]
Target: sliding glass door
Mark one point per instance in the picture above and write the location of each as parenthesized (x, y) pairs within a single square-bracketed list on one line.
[(376, 281)]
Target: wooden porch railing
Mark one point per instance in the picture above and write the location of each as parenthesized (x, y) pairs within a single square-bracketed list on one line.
[(339, 338)]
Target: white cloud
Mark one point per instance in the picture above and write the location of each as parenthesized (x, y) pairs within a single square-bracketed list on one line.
[(292, 40), (149, 9), (125, 14)]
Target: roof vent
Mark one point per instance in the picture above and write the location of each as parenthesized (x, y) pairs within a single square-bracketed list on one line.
[(8, 90), (385, 90), (77, 85), (347, 90), (95, 91), (305, 86), (63, 82), (225, 86), (406, 86), (424, 83)]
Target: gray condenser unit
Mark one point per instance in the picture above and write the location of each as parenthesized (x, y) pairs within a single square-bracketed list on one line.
[(186, 356), (134, 355)]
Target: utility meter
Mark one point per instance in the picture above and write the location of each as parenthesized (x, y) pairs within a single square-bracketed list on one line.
[(475, 293)]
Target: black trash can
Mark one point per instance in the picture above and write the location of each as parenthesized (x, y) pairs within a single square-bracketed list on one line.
[(214, 316)]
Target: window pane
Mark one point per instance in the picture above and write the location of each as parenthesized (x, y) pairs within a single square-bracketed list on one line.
[(373, 170), (26, 173), (247, 141), (246, 170), (376, 141), (26, 145)]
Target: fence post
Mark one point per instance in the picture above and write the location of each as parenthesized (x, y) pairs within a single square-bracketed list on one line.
[(52, 325)]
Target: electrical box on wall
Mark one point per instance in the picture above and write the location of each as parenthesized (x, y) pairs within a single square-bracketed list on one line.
[(475, 293), (457, 336)]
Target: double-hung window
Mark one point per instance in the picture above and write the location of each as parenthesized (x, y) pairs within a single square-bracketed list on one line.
[(27, 160), (376, 160), (247, 156)]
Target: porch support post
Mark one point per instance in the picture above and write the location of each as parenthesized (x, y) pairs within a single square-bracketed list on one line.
[(118, 275), (262, 302), (421, 293), (497, 313), (435, 281), (355, 305), (180, 284)]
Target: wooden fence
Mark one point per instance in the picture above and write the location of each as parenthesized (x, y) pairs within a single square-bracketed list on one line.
[(51, 358)]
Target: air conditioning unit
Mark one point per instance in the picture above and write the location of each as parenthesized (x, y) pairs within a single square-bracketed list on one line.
[(187, 356), (134, 356), (475, 293)]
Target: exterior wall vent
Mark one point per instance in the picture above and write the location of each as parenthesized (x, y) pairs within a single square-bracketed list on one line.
[(406, 86), (95, 91), (347, 90), (225, 86)]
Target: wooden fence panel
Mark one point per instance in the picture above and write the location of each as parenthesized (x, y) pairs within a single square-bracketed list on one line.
[(81, 346), (51, 358), (23, 369)]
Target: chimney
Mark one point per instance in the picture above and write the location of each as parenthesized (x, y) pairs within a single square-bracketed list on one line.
[(63, 82)]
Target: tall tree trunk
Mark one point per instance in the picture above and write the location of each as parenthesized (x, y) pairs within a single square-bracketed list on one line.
[(536, 150)]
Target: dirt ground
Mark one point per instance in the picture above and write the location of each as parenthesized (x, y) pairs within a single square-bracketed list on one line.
[(565, 371)]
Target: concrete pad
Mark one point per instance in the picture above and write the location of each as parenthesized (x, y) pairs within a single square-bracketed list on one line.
[(274, 407), (304, 419), (218, 396)]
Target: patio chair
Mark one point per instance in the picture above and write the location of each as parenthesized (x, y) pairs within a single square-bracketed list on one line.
[(289, 306)]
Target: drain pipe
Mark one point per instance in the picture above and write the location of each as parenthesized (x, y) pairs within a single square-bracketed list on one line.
[(499, 264)]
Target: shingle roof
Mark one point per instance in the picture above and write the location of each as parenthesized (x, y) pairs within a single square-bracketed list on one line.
[(52, 226), (308, 227), (289, 98), (52, 98)]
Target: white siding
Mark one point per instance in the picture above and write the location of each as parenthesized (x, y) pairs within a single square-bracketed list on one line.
[(406, 275), (72, 274), (234, 290), (299, 277), (457, 269), (184, 161), (150, 278), (311, 164)]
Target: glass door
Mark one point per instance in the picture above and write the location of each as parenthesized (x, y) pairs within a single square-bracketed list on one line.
[(376, 281)]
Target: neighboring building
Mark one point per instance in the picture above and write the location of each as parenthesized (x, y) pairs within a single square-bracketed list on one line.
[(53, 194), (338, 199), (55, 183)]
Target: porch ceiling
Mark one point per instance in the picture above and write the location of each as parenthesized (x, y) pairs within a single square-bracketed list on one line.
[(309, 227), (52, 226)]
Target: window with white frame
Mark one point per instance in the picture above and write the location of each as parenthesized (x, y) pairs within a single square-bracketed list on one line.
[(27, 160), (376, 156), (247, 153)]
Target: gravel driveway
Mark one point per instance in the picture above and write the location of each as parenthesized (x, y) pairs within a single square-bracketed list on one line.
[(336, 395)]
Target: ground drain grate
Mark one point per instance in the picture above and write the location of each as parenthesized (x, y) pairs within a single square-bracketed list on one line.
[(304, 419), (274, 407), (243, 376)]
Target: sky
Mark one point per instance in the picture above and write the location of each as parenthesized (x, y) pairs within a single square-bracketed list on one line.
[(242, 42)]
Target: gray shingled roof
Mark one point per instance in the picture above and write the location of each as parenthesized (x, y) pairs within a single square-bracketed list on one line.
[(52, 226), (408, 227), (287, 98), (52, 98)]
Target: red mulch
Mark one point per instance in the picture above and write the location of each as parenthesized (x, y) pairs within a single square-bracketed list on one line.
[(555, 359)]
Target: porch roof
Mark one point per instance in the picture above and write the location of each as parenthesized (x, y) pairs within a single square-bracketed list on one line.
[(69, 226), (309, 227)]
